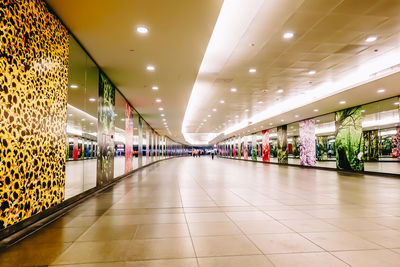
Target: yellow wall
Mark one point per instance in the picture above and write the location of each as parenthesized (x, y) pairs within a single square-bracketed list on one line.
[(33, 97)]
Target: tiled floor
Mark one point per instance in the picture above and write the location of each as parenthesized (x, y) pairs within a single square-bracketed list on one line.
[(199, 212), (80, 175)]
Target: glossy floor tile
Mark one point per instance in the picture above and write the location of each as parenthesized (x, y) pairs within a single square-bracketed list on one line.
[(202, 212)]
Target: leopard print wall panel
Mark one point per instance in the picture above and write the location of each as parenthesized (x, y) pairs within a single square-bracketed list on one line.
[(34, 51), (105, 131)]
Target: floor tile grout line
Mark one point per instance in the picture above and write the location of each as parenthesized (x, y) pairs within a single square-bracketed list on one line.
[(295, 232), (188, 228), (237, 226)]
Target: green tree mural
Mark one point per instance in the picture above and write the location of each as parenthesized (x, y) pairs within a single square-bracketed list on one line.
[(349, 139), (282, 144), (106, 129), (371, 145), (322, 147), (254, 153)]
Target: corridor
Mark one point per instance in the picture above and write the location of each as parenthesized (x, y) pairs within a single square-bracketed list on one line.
[(202, 212)]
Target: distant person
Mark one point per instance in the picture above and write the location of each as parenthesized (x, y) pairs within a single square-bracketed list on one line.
[(212, 155)]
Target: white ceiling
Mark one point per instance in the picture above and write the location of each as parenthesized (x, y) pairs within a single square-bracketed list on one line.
[(179, 32), (329, 37)]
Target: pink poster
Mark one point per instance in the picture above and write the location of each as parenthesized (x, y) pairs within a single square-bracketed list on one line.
[(265, 146), (147, 143), (128, 137), (75, 151), (307, 142), (398, 142), (234, 147)]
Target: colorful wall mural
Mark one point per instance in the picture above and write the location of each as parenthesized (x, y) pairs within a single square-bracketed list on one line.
[(371, 145), (307, 142), (245, 148), (41, 67), (349, 139), (398, 141), (106, 131), (128, 137), (33, 98), (265, 146), (253, 147), (282, 144)]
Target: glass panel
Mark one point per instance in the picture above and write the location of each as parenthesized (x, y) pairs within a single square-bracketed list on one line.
[(81, 165), (293, 135), (381, 134), (325, 140)]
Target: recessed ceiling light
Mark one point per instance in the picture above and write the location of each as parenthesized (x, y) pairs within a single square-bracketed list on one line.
[(142, 29), (270, 123), (252, 70), (363, 110), (158, 100), (214, 109), (82, 119), (291, 127), (259, 102), (205, 120), (318, 120), (161, 109), (246, 110), (233, 89), (150, 68), (342, 102), (371, 39), (74, 86), (312, 72), (280, 91), (381, 90), (282, 120), (296, 116), (237, 116), (396, 103), (316, 110), (122, 119), (164, 119), (92, 99), (91, 123), (221, 101), (69, 115), (154, 87), (209, 115), (162, 115), (288, 35), (229, 120)]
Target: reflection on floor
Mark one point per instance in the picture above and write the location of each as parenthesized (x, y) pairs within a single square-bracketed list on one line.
[(203, 212), (79, 176), (387, 166)]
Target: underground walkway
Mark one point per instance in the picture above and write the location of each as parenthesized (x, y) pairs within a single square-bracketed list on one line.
[(199, 212)]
